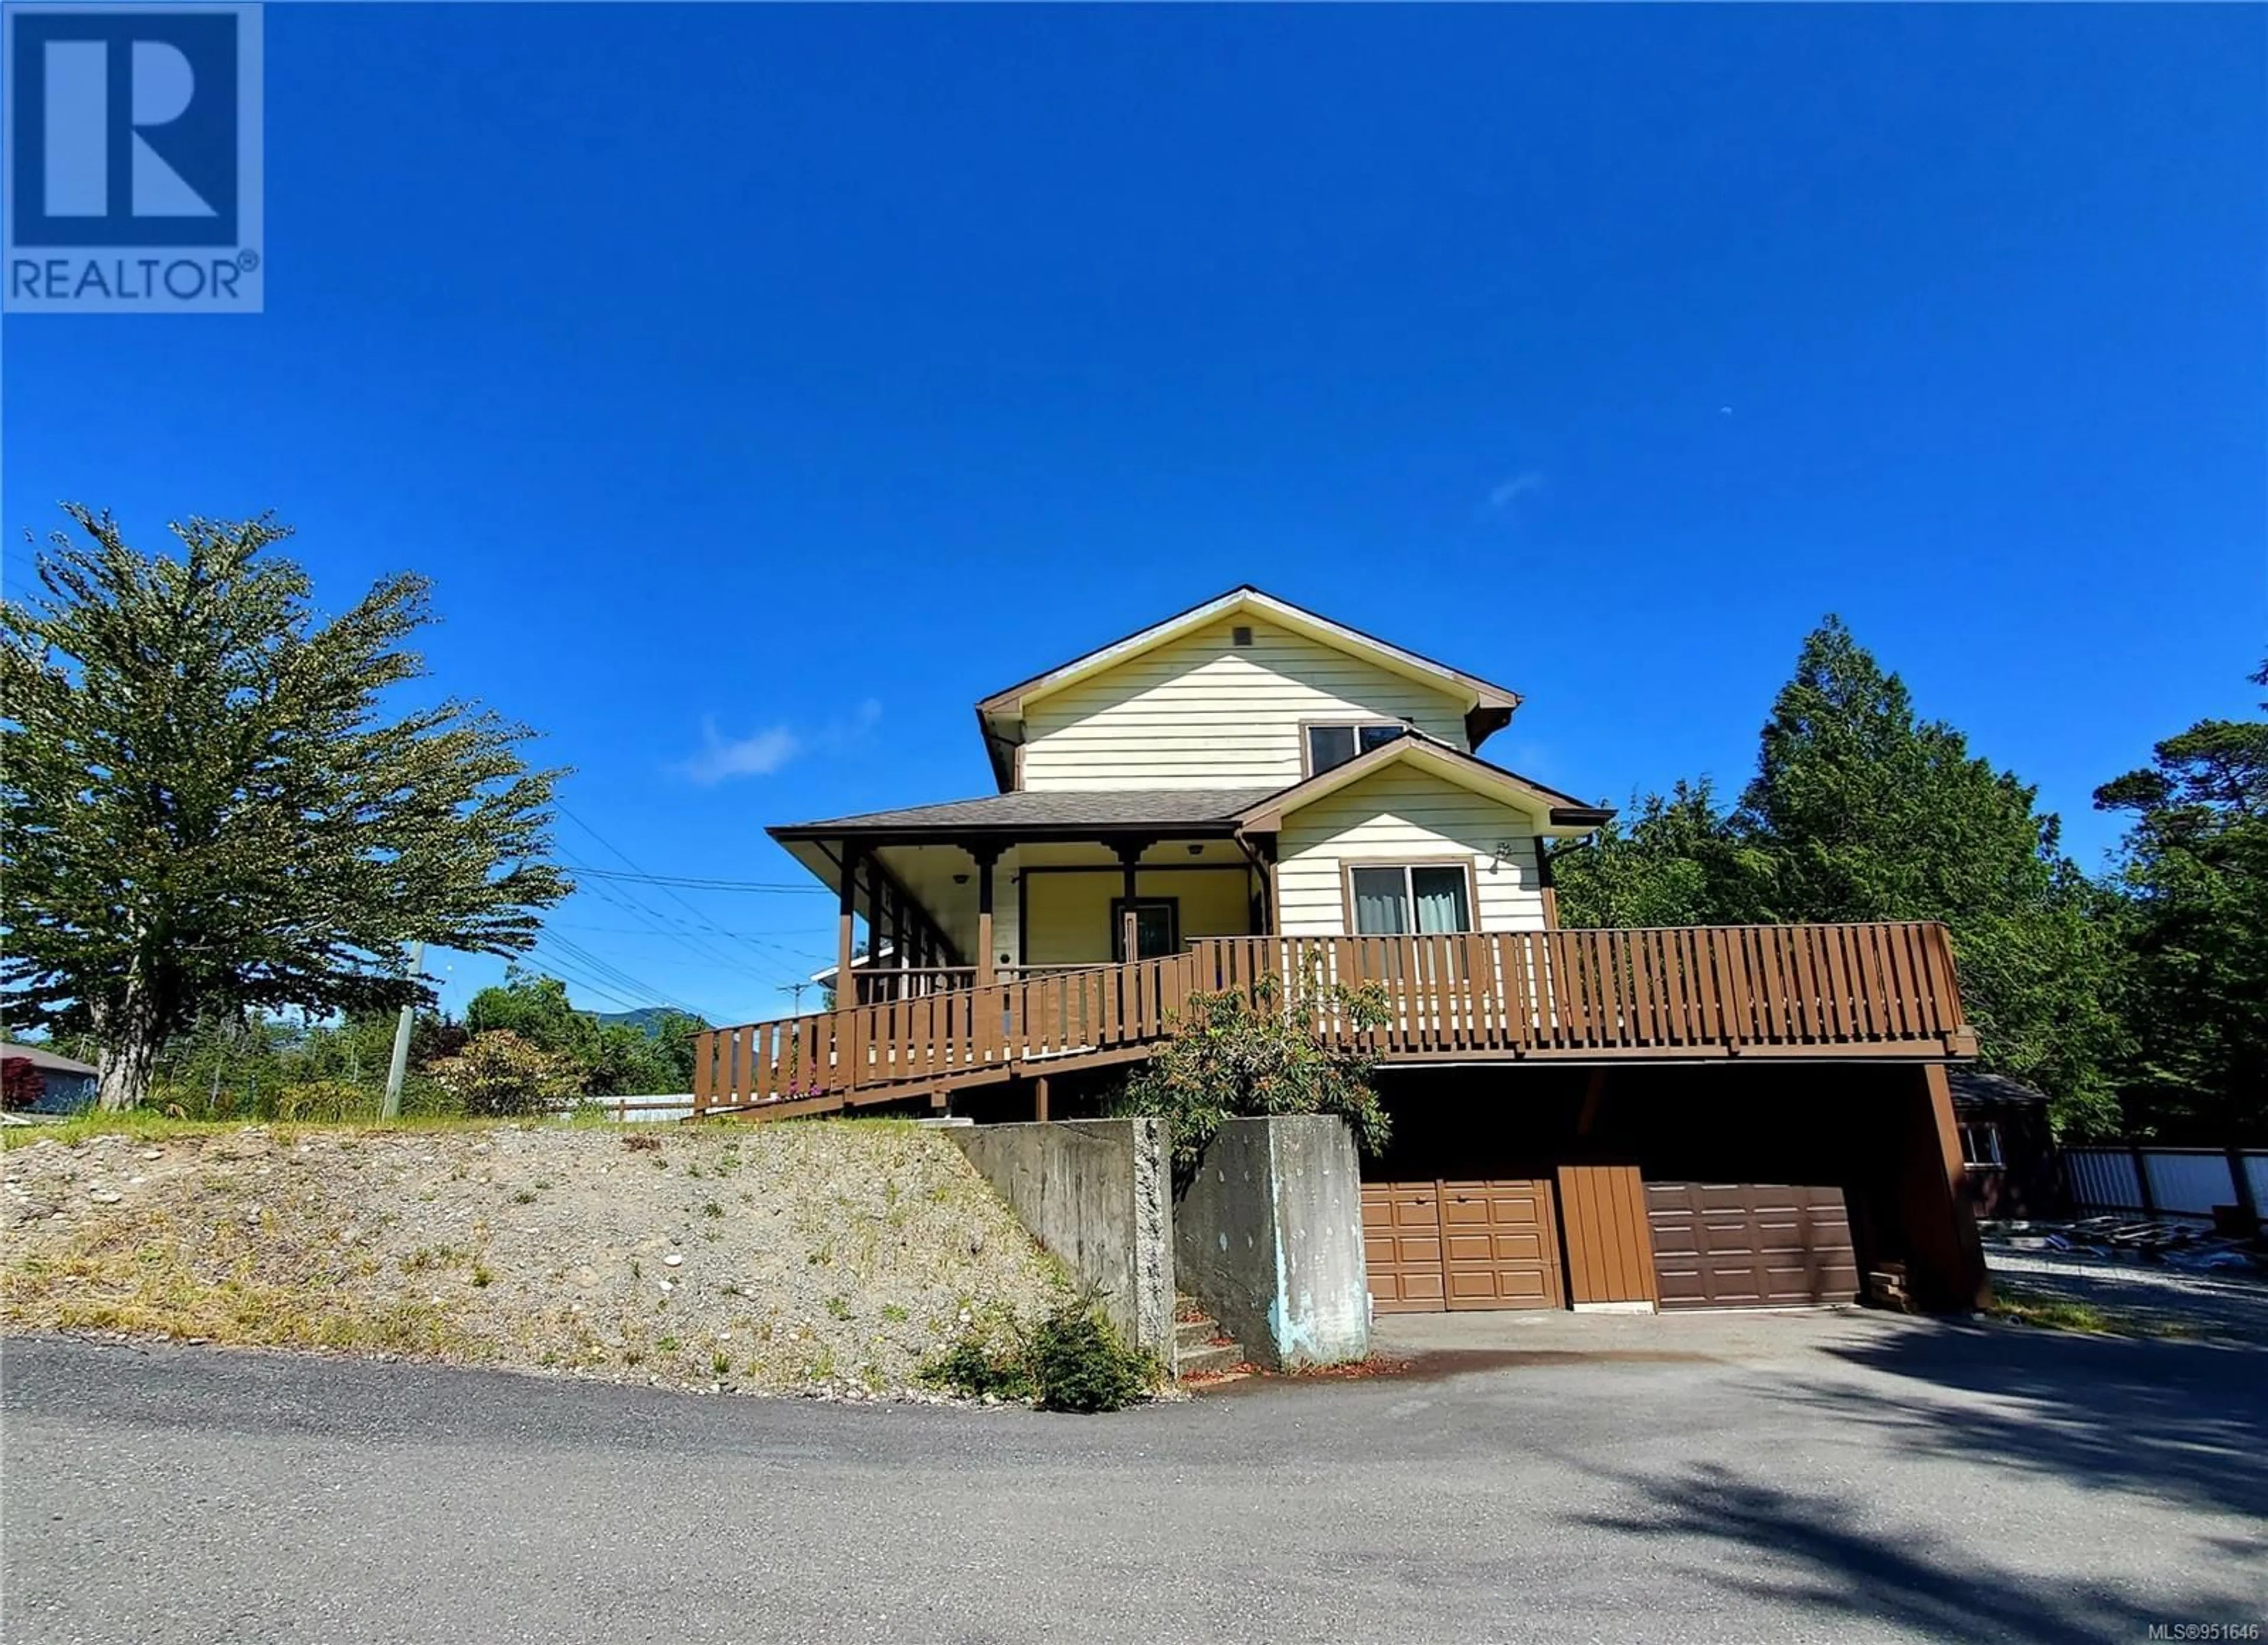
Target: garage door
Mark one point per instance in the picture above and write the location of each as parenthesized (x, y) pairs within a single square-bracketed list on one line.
[(1435, 1245), (1402, 1246), (1750, 1245)]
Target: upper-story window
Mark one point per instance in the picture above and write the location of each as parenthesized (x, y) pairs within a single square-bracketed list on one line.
[(1334, 744)]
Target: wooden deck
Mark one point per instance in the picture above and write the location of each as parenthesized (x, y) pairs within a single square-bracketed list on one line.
[(1883, 990)]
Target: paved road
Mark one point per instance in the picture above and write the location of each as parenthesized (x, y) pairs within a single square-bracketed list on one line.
[(1857, 1477)]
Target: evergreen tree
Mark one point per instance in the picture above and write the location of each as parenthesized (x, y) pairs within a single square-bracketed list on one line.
[(1860, 811), (1678, 862), (2196, 866), (208, 812)]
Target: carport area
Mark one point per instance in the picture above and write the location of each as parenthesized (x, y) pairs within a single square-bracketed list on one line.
[(1765, 1184)]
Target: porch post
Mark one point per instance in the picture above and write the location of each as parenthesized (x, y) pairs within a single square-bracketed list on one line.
[(1129, 854), (986, 855), (846, 990), (899, 958)]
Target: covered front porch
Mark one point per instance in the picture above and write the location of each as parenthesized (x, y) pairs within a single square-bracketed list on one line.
[(975, 892)]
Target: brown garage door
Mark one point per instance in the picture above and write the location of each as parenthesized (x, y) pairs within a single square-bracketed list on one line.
[(1750, 1245), (1435, 1245), (1401, 1245)]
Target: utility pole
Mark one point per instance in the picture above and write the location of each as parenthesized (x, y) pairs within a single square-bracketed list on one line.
[(391, 1108)]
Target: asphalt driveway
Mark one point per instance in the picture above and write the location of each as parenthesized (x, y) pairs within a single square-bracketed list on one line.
[(1854, 1477)]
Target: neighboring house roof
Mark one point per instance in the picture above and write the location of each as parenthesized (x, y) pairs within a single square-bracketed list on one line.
[(863, 958), (1488, 708), (47, 1061), (1030, 814), (1412, 748), (1974, 1089)]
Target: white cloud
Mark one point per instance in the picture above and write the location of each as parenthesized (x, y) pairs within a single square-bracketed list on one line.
[(723, 758), (1511, 490)]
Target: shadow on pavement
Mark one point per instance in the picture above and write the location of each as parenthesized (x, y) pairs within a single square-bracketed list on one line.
[(1813, 1552), (2185, 1420)]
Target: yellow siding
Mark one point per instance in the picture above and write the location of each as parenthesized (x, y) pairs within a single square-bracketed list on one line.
[(1399, 816), (1069, 914), (1202, 712)]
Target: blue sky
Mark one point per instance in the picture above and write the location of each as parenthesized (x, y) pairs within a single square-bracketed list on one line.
[(762, 385)]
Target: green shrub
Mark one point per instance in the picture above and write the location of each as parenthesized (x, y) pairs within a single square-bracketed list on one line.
[(321, 1101), (1071, 1360), (1078, 1363), (498, 1073), (972, 1367), (1232, 1056)]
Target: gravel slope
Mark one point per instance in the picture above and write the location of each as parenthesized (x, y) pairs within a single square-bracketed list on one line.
[(822, 1258)]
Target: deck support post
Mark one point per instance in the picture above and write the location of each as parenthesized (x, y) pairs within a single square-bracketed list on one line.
[(1945, 1259), (1040, 1100)]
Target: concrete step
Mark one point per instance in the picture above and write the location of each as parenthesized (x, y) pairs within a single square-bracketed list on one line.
[(1201, 1347), (1210, 1359), (1194, 1333)]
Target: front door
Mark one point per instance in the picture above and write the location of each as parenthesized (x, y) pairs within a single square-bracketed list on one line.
[(1157, 926)]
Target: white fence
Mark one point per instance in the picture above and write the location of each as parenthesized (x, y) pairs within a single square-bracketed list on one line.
[(2182, 1181)]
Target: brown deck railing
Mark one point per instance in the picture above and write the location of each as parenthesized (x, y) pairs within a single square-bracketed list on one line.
[(907, 982), (1882, 989)]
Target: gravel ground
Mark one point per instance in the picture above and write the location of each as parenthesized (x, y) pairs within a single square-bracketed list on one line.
[(2224, 1307), (784, 1257)]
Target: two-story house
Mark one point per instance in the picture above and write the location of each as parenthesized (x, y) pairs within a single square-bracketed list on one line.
[(1749, 1115)]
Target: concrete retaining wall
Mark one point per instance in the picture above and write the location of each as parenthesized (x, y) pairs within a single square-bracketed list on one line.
[(1097, 1194), (1269, 1237)]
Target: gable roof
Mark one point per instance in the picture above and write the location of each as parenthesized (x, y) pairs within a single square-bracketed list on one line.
[(1488, 708), (1975, 1091), (1555, 812)]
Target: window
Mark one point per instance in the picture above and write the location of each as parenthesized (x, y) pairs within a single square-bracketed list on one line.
[(1329, 745), (1417, 897), (1980, 1145)]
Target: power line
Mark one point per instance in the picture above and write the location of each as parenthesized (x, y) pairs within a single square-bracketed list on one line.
[(578, 972), (674, 927), (647, 930), (690, 882), (668, 891), (607, 968)]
